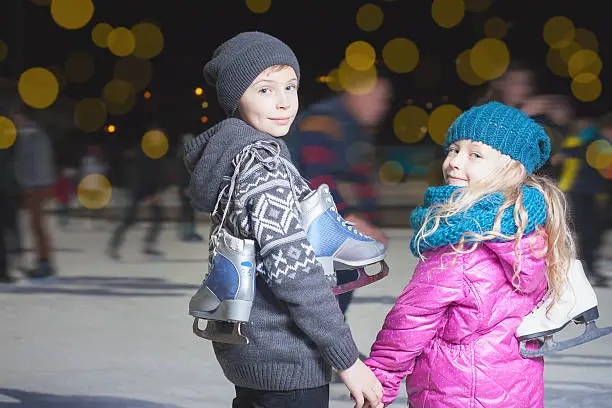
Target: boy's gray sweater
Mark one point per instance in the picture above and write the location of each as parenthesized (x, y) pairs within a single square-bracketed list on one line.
[(296, 331)]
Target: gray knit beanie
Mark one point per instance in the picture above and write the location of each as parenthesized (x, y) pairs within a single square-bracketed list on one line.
[(237, 62)]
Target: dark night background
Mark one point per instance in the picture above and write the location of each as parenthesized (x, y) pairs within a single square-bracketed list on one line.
[(318, 31)]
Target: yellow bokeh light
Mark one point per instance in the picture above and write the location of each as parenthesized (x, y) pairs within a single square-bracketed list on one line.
[(476, 6), (117, 91), (121, 42), (496, 28), (586, 87), (8, 133), (447, 13), (136, 71), (489, 58), (204, 119), (440, 120), (369, 17), (599, 154), (90, 114), (149, 40), (3, 50), (356, 82), (204, 105), (94, 191), (555, 63), (111, 128), (586, 39), (401, 55), (559, 32), (259, 6), (100, 33), (584, 61), (154, 144), (465, 71), (333, 81), (391, 172), (569, 50), (360, 55), (72, 14), (199, 91), (38, 88), (410, 124), (79, 67)]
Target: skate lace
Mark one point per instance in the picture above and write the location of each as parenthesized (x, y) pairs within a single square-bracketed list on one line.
[(350, 226), (544, 302)]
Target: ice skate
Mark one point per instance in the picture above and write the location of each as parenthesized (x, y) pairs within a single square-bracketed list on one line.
[(577, 303), (227, 292), (337, 243)]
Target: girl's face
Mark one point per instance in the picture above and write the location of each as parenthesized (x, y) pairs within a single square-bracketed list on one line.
[(469, 163), (516, 87), (271, 102)]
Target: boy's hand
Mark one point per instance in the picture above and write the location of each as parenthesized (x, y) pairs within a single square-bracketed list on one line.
[(362, 384)]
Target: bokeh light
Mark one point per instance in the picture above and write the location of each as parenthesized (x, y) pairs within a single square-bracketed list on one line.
[(3, 50), (440, 120), (569, 50), (559, 32), (100, 33), (333, 81), (259, 6), (391, 172), (360, 55), (496, 28), (38, 88), (72, 14), (119, 96), (204, 119), (447, 13), (586, 39), (476, 6), (465, 71), (204, 105), (121, 42), (584, 61), (149, 40), (369, 17), (356, 82), (401, 55), (555, 63), (586, 87), (111, 128), (599, 154), (79, 67), (90, 114), (136, 71), (198, 91), (94, 191), (490, 58), (410, 124), (8, 133), (154, 143)]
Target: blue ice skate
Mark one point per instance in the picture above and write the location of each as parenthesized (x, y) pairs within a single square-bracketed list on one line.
[(227, 292), (337, 243)]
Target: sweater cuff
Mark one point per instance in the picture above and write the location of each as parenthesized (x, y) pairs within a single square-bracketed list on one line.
[(341, 355)]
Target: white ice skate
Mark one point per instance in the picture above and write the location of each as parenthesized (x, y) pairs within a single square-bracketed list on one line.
[(577, 303), (337, 243)]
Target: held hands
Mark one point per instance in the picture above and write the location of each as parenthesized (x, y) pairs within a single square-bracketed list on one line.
[(367, 228), (363, 385)]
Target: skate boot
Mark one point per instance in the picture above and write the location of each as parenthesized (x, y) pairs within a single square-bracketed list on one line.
[(227, 292), (337, 243), (576, 303)]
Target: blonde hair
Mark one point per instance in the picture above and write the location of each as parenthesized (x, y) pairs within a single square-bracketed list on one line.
[(560, 247)]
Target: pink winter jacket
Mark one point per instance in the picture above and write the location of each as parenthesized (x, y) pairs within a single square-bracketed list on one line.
[(451, 331)]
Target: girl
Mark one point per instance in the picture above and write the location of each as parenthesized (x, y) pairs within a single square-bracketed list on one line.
[(490, 243)]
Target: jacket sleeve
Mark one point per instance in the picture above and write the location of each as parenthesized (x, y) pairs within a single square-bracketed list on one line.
[(289, 265), (414, 320)]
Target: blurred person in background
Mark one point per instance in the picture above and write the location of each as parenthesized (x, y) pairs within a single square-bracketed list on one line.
[(35, 173), (187, 230), (332, 142)]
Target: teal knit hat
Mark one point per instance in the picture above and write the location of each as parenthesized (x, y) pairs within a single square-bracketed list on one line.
[(506, 129)]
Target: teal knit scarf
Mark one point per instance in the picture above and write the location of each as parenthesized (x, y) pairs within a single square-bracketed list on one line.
[(479, 218)]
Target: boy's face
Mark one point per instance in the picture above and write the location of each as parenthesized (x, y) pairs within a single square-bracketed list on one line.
[(271, 102), (469, 162)]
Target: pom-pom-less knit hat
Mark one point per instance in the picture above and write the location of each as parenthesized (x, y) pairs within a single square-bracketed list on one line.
[(506, 129), (237, 62)]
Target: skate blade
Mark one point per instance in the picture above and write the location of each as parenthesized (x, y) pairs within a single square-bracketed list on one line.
[(550, 346), (220, 333), (363, 279)]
